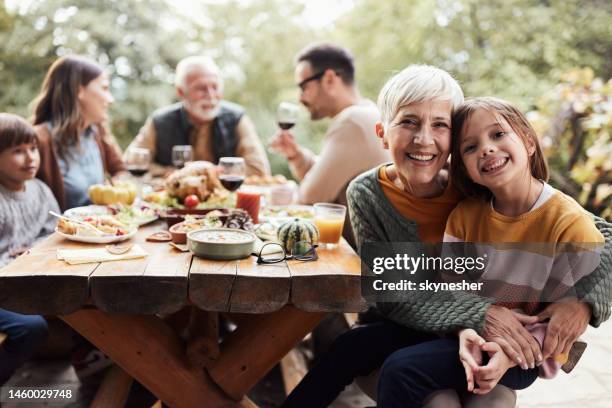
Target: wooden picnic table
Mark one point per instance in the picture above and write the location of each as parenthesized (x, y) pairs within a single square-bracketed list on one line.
[(120, 307)]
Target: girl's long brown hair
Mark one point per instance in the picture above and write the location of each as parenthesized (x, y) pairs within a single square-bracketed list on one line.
[(58, 102), (519, 124)]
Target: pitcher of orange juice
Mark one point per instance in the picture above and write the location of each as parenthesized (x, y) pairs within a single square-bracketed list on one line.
[(329, 219)]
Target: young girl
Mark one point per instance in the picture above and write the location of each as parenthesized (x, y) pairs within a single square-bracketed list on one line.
[(498, 164), (25, 203)]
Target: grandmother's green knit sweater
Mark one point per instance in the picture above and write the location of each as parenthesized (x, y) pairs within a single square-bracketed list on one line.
[(374, 219)]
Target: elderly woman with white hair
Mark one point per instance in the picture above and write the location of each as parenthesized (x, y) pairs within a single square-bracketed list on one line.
[(409, 200), (213, 127)]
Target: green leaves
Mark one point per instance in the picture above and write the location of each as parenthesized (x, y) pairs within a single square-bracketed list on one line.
[(575, 123), (526, 51)]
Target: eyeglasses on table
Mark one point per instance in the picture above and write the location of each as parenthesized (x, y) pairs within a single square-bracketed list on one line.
[(301, 251)]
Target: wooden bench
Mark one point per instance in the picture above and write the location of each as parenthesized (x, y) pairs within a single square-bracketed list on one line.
[(114, 389)]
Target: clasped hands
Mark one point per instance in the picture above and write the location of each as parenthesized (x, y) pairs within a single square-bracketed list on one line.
[(508, 342)]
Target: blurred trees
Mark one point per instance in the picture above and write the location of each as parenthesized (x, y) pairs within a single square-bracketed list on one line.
[(526, 51), (515, 49), (118, 34), (575, 121)]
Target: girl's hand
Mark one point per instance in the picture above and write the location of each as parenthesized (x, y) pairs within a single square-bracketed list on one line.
[(470, 354), (488, 376)]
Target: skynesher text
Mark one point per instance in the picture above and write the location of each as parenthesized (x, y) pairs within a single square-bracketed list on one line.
[(404, 285)]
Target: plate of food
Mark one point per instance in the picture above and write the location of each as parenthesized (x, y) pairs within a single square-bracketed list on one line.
[(195, 186), (95, 229), (135, 214), (175, 215), (265, 180), (266, 231), (284, 212), (87, 211)]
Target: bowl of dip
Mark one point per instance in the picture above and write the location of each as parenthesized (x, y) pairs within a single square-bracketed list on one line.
[(221, 243)]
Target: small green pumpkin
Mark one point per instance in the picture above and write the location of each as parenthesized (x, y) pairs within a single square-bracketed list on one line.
[(297, 230)]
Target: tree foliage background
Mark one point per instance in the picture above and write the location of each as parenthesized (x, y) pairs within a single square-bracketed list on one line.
[(552, 58)]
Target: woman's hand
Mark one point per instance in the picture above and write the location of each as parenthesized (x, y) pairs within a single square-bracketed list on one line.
[(470, 354), (568, 320), (488, 376), (505, 328)]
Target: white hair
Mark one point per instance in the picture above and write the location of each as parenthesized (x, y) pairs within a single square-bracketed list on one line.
[(417, 83), (187, 65)]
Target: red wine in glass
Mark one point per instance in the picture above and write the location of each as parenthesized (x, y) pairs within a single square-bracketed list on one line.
[(137, 160), (286, 125), (231, 182)]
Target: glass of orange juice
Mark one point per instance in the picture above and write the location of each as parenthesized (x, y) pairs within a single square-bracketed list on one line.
[(329, 219)]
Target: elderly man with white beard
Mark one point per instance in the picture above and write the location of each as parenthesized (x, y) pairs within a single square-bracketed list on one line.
[(213, 127)]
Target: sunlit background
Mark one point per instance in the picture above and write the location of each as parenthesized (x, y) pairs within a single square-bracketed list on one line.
[(552, 58)]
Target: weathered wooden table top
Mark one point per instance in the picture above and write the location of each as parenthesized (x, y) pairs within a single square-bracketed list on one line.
[(167, 279)]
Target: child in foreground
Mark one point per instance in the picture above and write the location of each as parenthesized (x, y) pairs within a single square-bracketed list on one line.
[(25, 203), (498, 164)]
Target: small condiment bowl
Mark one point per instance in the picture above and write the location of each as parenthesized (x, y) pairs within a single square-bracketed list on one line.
[(208, 243), (176, 215), (178, 237)]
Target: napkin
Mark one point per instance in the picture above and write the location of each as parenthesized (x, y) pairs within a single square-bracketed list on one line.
[(81, 256), (270, 249)]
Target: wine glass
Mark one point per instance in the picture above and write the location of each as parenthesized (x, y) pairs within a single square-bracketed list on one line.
[(181, 154), (231, 172), (137, 160), (287, 115)]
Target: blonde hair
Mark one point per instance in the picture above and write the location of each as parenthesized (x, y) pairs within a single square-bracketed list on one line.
[(417, 83)]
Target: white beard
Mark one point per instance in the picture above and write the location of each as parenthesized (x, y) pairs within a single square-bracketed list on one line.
[(205, 115)]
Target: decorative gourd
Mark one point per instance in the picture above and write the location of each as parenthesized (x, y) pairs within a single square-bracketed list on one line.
[(297, 230), (119, 193)]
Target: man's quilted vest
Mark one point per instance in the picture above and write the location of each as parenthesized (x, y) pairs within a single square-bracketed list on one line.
[(173, 127)]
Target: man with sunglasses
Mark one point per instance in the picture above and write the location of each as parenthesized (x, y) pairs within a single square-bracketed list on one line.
[(325, 74)]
